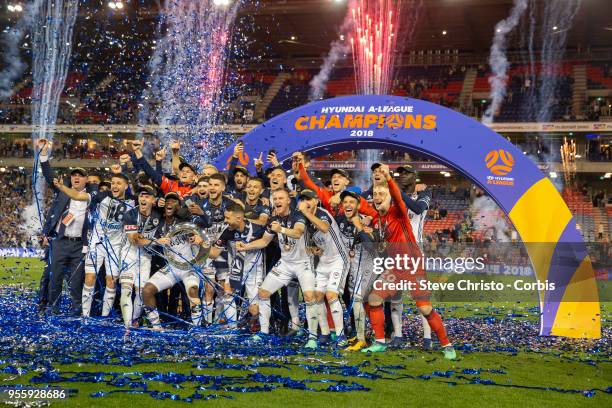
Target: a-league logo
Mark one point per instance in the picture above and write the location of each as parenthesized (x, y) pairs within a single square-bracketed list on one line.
[(493, 159)]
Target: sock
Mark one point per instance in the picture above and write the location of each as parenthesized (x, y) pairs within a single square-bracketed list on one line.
[(426, 328), (337, 316), (196, 312), (153, 316), (359, 314), (230, 310), (312, 317), (219, 306), (293, 305), (328, 315), (377, 320), (265, 310), (396, 318), (323, 323), (138, 304), (435, 322), (87, 299), (208, 312), (108, 300), (127, 307)]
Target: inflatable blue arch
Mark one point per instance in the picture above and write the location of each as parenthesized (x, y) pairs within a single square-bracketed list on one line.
[(539, 214)]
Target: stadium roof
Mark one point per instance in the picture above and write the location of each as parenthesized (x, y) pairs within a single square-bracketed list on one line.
[(314, 24)]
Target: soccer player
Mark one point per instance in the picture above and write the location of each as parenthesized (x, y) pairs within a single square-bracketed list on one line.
[(393, 225), (107, 238), (330, 200), (333, 263), (141, 225), (201, 191), (289, 226), (185, 250), (187, 173), (358, 241), (417, 199), (247, 268), (238, 175), (216, 270), (254, 209)]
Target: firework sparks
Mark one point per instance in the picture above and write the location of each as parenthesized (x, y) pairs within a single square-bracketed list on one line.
[(373, 43)]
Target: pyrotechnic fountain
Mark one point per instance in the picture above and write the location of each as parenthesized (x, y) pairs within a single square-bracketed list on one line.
[(373, 40), (373, 44), (188, 71), (53, 23)]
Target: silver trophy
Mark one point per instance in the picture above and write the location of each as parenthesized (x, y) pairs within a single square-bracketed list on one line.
[(180, 253)]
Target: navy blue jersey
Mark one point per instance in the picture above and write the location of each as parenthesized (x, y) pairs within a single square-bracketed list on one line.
[(216, 218), (252, 212), (292, 250)]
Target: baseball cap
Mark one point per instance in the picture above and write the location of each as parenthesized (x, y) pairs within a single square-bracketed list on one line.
[(341, 172), (308, 194), (172, 194), (241, 169), (122, 176), (375, 166), (145, 188), (79, 170), (185, 164), (352, 191), (407, 168)]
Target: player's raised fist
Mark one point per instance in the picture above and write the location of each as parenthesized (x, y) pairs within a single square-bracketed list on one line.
[(115, 168), (238, 150), (57, 182), (160, 154), (43, 146), (259, 161), (124, 159), (420, 187), (384, 169), (175, 146)]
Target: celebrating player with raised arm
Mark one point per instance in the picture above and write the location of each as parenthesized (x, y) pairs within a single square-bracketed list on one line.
[(186, 172), (107, 238), (289, 226), (393, 225)]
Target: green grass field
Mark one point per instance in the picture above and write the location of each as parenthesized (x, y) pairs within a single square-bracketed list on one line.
[(523, 372)]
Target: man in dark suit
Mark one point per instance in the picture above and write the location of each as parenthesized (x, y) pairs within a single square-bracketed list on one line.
[(66, 227)]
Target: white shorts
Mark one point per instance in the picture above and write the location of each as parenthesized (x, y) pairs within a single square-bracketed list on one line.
[(254, 271), (169, 276), (136, 268), (361, 277), (213, 273), (283, 272), (331, 277), (103, 253)]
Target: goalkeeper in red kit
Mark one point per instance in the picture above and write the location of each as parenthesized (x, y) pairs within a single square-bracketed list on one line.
[(391, 222)]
